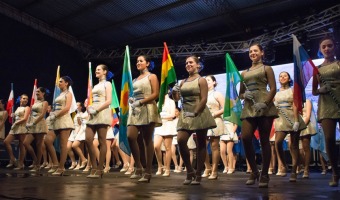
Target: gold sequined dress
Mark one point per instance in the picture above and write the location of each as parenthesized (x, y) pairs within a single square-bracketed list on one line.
[(311, 125), (190, 91), (41, 126), (147, 113), (65, 121), (256, 81), (284, 100), (103, 117), (327, 108), (19, 128), (213, 107)]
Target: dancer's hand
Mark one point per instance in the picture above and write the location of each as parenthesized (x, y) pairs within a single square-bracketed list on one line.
[(296, 126), (29, 125), (189, 114), (92, 111), (176, 88), (259, 106), (52, 116), (136, 104), (248, 95), (324, 89)]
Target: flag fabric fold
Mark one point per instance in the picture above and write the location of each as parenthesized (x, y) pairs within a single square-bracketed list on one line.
[(89, 86), (34, 93), (304, 69), (10, 105), (114, 104), (168, 76), (56, 92), (73, 107), (126, 91), (232, 104)]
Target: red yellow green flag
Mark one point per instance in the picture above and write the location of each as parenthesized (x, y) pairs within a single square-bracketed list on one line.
[(168, 76)]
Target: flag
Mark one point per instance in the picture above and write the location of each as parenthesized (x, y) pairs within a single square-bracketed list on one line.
[(114, 104), (126, 91), (73, 107), (34, 93), (89, 86), (168, 76), (232, 104), (56, 92), (10, 105), (304, 69)]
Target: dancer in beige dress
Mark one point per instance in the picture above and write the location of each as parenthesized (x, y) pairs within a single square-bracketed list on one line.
[(289, 122), (195, 117), (18, 129), (37, 128), (329, 101), (143, 116), (99, 121), (215, 105), (62, 121), (258, 112), (3, 118)]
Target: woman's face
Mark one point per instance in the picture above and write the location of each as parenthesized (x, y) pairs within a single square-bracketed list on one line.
[(79, 107), (23, 100), (62, 84), (210, 82), (141, 63), (327, 49), (176, 112), (49, 108), (284, 78), (191, 65), (40, 95), (100, 72), (255, 54)]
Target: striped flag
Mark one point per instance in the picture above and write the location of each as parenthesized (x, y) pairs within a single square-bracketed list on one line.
[(114, 104), (89, 86), (10, 105), (304, 69), (126, 91), (168, 76), (56, 92), (232, 104), (34, 93)]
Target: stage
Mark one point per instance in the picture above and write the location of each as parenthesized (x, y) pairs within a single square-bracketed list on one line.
[(115, 185)]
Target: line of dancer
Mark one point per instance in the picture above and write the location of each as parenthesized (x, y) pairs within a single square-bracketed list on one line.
[(198, 122)]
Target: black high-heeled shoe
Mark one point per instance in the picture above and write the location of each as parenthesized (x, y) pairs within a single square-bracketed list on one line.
[(190, 177), (197, 180), (137, 173), (145, 179), (264, 180), (334, 181), (252, 178)]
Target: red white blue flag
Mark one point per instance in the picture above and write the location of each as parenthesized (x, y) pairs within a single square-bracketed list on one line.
[(304, 69)]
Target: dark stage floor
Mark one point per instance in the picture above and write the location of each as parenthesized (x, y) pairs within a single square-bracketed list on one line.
[(74, 185)]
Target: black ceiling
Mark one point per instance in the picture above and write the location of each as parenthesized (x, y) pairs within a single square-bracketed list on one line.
[(145, 23)]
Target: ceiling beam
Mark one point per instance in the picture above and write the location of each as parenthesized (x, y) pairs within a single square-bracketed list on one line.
[(312, 25)]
